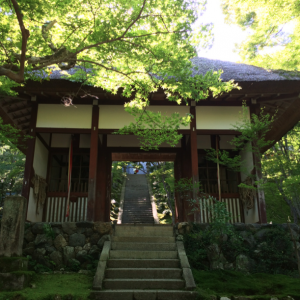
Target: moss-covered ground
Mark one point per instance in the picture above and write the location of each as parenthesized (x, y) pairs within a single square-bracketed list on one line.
[(257, 286), (48, 286)]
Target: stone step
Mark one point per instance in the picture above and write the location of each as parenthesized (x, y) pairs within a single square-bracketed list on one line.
[(118, 254), (143, 273), (144, 246), (129, 284), (142, 295), (136, 220), (143, 263), (144, 239), (144, 230)]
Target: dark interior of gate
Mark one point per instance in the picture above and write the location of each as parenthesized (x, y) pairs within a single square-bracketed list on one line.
[(208, 179)]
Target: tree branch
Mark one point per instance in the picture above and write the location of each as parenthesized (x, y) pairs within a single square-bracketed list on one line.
[(18, 77)]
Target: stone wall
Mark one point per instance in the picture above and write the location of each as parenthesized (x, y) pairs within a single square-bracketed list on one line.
[(67, 243), (247, 247)]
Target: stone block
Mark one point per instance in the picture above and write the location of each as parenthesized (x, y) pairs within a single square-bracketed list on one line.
[(176, 295), (56, 225), (99, 276), (189, 279), (103, 227), (29, 236), (40, 239), (184, 262), (12, 226), (38, 228), (144, 295), (15, 281), (102, 240), (77, 239), (69, 227), (60, 242), (84, 224), (68, 253), (56, 257), (11, 264), (81, 256), (105, 251), (111, 295)]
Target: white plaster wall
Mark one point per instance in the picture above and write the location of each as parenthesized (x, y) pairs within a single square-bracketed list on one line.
[(217, 117), (128, 141), (203, 142), (251, 216), (60, 140), (115, 117), (40, 162), (59, 116)]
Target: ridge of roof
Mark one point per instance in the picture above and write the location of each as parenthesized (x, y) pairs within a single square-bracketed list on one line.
[(239, 72)]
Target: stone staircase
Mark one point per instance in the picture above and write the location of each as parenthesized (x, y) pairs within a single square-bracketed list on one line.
[(143, 262), (137, 206)]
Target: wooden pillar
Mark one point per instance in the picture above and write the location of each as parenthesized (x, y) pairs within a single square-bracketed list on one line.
[(261, 203), (28, 172), (93, 165), (100, 209), (194, 154)]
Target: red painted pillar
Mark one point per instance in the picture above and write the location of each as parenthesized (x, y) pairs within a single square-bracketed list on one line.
[(28, 172), (93, 165), (194, 154)]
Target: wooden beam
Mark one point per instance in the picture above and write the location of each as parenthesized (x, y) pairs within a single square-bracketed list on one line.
[(62, 130), (17, 110), (93, 165), (43, 141), (140, 156), (30, 155), (24, 116), (280, 98), (23, 122)]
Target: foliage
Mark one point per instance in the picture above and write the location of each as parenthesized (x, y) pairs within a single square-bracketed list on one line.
[(33, 265), (231, 283), (218, 231), (275, 253), (274, 25), (252, 135), (281, 169), (131, 47), (12, 161), (48, 231), (161, 175), (153, 129), (118, 174)]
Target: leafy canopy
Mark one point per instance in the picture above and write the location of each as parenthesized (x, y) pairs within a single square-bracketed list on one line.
[(132, 46), (272, 23)]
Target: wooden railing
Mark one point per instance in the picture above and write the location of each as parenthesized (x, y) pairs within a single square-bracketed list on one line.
[(56, 206), (233, 206)]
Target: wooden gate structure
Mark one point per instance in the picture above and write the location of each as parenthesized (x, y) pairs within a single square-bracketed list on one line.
[(37, 111)]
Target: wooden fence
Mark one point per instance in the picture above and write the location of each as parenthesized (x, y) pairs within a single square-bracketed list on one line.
[(56, 209)]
